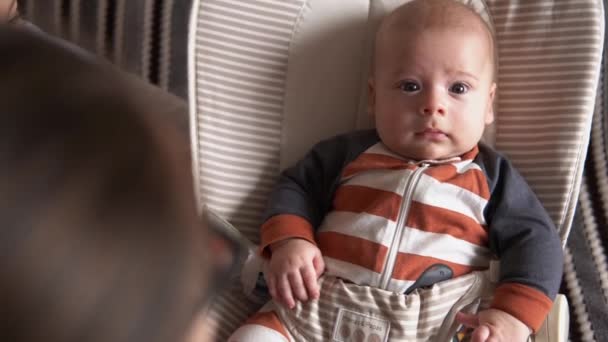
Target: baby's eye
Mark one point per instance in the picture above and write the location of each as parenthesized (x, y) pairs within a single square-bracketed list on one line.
[(409, 86), (459, 88)]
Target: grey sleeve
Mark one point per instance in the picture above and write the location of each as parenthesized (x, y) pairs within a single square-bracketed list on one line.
[(307, 188), (521, 233)]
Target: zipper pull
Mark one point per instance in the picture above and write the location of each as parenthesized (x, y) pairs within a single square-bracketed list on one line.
[(432, 275)]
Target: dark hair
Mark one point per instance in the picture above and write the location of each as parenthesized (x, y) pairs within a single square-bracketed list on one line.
[(98, 236)]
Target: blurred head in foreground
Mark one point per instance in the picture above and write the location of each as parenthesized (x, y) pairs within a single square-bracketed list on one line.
[(99, 239)]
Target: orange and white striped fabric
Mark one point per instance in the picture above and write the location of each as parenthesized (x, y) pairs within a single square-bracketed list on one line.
[(444, 224), (382, 220)]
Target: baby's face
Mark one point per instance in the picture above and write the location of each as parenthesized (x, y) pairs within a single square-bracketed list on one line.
[(431, 93)]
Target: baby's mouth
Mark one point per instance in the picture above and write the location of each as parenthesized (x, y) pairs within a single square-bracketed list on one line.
[(432, 134)]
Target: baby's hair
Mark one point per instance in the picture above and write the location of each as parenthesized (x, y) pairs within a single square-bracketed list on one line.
[(420, 15), (98, 236)]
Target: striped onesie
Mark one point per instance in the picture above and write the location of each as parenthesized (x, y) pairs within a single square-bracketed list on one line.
[(381, 220)]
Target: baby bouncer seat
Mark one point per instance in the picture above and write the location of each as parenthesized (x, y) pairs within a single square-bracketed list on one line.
[(269, 78)]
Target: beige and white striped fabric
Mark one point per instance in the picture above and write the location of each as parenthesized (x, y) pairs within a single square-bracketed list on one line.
[(542, 125), (268, 78), (423, 315), (238, 65)]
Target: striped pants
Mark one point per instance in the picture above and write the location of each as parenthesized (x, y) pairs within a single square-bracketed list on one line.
[(350, 312)]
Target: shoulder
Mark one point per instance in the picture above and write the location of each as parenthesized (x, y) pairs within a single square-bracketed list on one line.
[(492, 161), (497, 168), (490, 157), (351, 143)]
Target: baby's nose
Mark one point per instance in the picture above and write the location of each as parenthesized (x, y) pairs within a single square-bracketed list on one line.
[(432, 104)]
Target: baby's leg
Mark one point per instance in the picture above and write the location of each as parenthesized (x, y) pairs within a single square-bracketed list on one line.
[(262, 326)]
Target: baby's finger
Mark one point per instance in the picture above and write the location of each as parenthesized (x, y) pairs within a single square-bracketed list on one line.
[(468, 320), (284, 292), (297, 287), (319, 265), (481, 334), (309, 277)]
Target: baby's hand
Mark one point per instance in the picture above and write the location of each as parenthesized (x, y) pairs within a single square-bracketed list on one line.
[(495, 326), (293, 270)]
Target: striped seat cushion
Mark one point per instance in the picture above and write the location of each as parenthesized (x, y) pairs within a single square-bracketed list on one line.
[(238, 68), (268, 78)]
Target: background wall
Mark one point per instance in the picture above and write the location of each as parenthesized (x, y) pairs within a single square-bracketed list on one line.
[(145, 37)]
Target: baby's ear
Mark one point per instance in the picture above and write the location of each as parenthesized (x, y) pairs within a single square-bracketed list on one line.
[(490, 110), (371, 96)]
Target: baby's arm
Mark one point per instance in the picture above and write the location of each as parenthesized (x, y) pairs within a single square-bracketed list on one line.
[(494, 325), (296, 207), (522, 235), (293, 270)]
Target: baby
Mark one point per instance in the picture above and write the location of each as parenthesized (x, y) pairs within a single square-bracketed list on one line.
[(419, 200)]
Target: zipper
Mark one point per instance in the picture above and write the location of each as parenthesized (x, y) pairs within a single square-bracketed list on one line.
[(408, 193)]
